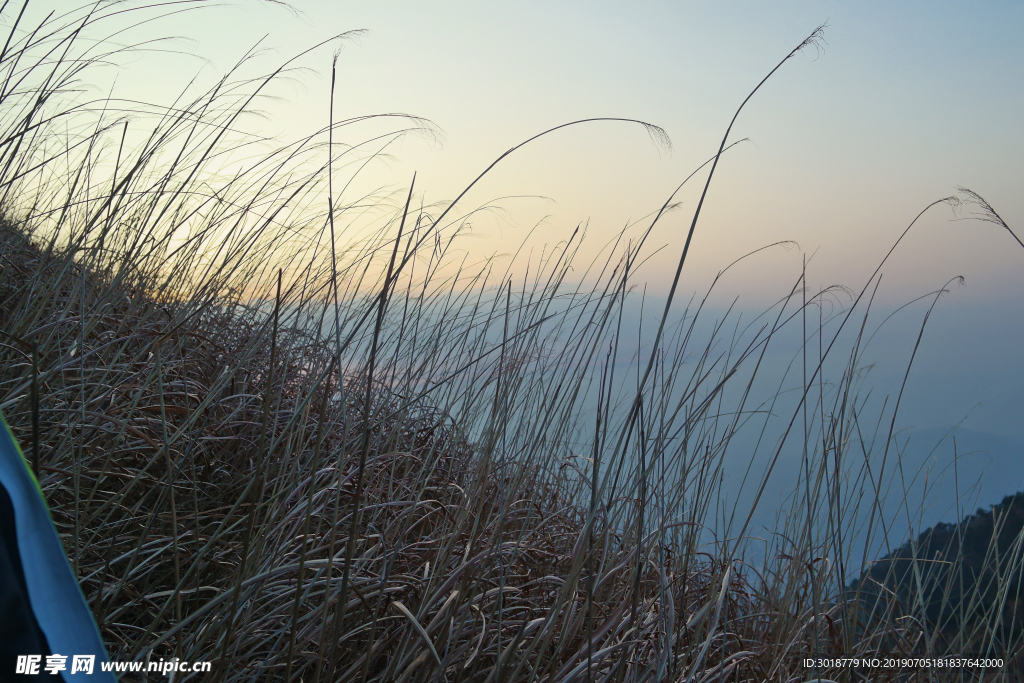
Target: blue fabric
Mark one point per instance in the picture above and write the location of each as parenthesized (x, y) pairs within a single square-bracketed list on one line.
[(53, 592), (19, 631)]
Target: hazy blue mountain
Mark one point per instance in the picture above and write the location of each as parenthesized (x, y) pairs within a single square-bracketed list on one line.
[(963, 578)]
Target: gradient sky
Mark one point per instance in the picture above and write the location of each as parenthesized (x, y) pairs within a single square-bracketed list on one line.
[(905, 102)]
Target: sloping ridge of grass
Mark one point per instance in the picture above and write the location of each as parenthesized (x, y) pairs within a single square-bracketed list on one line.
[(153, 415)]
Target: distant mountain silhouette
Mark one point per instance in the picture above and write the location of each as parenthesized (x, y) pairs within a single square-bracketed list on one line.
[(963, 579)]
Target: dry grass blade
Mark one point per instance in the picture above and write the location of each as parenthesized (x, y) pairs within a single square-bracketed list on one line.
[(422, 633)]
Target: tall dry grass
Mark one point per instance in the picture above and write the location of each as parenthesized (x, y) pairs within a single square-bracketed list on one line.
[(308, 457)]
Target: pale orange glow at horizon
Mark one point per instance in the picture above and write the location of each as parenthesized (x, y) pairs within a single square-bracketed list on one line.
[(846, 145)]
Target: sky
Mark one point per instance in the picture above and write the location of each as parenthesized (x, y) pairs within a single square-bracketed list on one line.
[(848, 142)]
